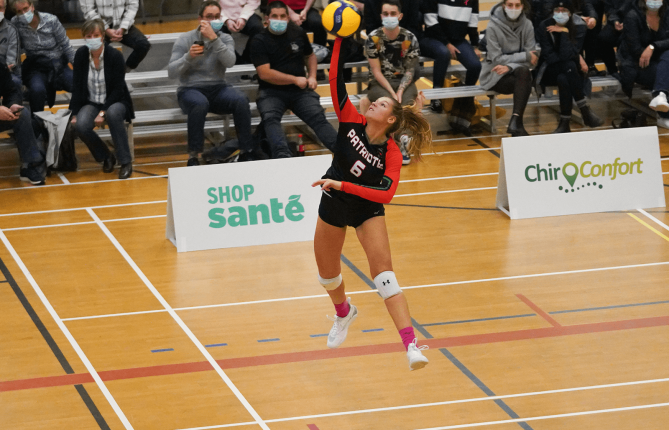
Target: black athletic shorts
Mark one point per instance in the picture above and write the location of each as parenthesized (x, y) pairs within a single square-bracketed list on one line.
[(340, 209)]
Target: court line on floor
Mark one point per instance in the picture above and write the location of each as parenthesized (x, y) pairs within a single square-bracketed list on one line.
[(84, 208), (82, 223), (53, 346), (548, 417), (41, 187), (318, 296), (539, 311), (648, 226), (655, 220), (82, 356), (240, 397)]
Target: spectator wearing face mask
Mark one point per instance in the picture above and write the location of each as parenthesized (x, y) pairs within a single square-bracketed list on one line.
[(199, 60), (100, 96), (611, 35), (644, 53), (48, 52)]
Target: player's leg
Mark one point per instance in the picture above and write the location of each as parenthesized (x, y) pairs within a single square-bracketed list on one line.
[(373, 236)]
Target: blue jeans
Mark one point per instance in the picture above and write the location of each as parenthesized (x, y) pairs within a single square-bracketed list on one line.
[(140, 45), (272, 104), (37, 87), (24, 136), (196, 102), (115, 118), (442, 58)]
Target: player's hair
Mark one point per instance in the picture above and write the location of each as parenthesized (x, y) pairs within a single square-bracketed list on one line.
[(206, 4), (91, 25), (276, 4), (393, 3), (410, 119)]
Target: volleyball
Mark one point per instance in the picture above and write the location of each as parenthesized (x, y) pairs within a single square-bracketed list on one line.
[(341, 18)]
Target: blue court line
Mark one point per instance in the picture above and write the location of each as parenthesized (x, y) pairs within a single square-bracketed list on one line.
[(162, 350), (610, 307), (421, 329), (479, 320), (213, 345), (372, 329), (318, 335), (276, 339)]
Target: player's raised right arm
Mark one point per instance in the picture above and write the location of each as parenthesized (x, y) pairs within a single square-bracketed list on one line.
[(345, 110)]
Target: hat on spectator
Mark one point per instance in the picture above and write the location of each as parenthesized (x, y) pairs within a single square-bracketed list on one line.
[(564, 3)]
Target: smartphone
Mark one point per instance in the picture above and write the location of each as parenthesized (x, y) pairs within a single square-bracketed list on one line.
[(199, 42), (19, 109)]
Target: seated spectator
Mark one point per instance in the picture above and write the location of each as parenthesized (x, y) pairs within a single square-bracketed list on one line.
[(119, 19), (48, 52), (199, 60), (15, 117), (303, 15), (279, 54), (393, 55), (9, 46), (592, 14), (447, 23), (239, 16), (411, 19), (611, 35), (511, 54), (562, 65), (644, 53), (100, 95)]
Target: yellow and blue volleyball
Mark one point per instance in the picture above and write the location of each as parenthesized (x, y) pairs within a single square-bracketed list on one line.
[(341, 18)]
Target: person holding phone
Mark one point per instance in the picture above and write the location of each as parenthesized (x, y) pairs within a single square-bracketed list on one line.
[(13, 116), (199, 60)]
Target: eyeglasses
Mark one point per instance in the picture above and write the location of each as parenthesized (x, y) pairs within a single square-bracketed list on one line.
[(212, 17)]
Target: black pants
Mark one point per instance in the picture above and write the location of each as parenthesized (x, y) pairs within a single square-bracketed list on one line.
[(253, 26), (608, 40), (140, 45), (519, 83), (314, 24), (569, 82)]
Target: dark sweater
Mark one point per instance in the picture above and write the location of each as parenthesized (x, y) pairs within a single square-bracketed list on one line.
[(8, 91), (615, 10), (558, 47), (450, 21), (114, 67)]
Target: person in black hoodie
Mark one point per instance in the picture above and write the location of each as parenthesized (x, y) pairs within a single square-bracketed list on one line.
[(15, 117), (610, 36), (100, 95), (644, 53), (562, 65)]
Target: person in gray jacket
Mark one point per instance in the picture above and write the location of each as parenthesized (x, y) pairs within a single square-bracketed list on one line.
[(511, 53), (199, 60), (9, 46)]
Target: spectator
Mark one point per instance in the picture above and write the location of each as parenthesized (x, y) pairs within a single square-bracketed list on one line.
[(48, 52), (100, 95), (593, 11), (511, 53), (14, 116), (447, 23), (644, 53), (610, 36), (199, 60), (393, 55), (9, 46), (303, 15), (239, 17), (560, 46), (411, 19), (119, 19), (279, 54)]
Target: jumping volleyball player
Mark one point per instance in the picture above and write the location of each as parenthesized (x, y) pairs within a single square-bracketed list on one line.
[(364, 174)]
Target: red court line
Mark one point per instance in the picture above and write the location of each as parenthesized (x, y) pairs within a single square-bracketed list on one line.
[(312, 426), (294, 357), (539, 311)]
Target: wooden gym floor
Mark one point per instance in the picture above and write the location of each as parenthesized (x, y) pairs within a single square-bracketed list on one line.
[(554, 323)]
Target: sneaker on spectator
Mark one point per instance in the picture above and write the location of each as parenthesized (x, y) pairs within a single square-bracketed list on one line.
[(663, 122), (339, 329), (193, 161), (436, 106), (404, 143), (35, 173), (416, 358), (659, 103)]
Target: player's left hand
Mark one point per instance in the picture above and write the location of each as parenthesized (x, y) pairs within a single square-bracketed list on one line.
[(327, 184)]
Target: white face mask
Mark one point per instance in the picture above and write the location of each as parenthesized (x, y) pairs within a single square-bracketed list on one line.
[(2, 16), (513, 14)]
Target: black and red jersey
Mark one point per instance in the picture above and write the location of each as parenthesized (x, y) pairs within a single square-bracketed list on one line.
[(370, 172)]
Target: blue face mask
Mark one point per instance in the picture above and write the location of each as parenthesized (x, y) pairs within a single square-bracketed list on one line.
[(216, 24), (654, 4), (28, 17), (561, 17), (390, 22), (278, 26), (94, 43)]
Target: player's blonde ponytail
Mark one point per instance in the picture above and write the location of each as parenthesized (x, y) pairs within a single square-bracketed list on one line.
[(411, 122)]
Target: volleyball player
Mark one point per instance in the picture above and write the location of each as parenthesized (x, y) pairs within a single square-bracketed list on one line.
[(364, 174)]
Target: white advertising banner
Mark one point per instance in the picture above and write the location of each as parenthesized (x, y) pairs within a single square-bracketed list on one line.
[(574, 173), (244, 204)]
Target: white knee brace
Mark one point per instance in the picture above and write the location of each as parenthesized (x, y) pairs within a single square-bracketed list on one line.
[(331, 284), (387, 285)]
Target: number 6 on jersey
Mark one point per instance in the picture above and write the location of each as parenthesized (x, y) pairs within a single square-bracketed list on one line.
[(357, 168)]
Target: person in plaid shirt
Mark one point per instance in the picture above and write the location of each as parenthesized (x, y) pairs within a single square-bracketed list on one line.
[(48, 52), (119, 19)]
